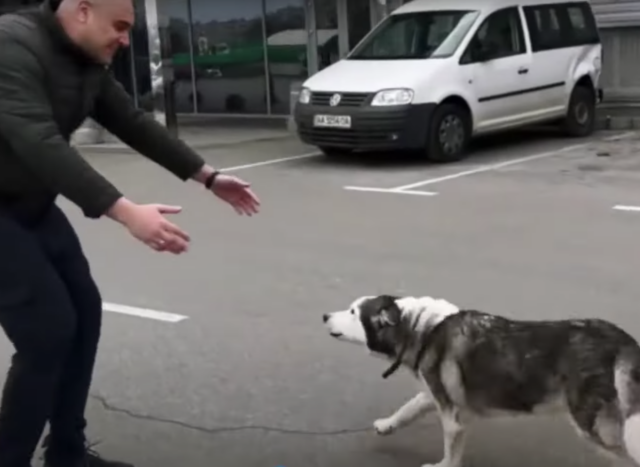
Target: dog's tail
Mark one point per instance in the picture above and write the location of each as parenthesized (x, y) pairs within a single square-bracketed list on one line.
[(627, 381)]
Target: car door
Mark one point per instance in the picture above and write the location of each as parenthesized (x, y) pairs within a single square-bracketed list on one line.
[(496, 64), (553, 29)]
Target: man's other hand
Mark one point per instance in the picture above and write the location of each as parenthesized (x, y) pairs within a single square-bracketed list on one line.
[(147, 223)]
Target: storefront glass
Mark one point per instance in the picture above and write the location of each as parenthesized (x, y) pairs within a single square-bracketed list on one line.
[(236, 56)]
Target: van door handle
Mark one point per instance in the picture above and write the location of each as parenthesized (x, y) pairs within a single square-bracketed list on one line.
[(523, 71)]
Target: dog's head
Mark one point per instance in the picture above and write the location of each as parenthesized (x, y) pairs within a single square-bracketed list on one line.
[(388, 325)]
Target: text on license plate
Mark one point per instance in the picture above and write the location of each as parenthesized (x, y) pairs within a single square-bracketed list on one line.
[(335, 121)]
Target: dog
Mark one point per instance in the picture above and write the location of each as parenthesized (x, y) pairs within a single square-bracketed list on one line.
[(473, 365)]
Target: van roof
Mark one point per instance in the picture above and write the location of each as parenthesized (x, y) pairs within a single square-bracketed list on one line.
[(430, 5)]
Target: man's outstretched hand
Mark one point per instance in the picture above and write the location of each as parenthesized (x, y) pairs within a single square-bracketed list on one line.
[(147, 223), (237, 193)]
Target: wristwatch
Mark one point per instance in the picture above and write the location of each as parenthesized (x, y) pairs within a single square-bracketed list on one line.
[(208, 182)]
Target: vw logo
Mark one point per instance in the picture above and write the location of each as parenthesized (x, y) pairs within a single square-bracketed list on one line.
[(335, 100)]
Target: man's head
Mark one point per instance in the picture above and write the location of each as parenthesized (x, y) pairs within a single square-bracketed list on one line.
[(99, 27)]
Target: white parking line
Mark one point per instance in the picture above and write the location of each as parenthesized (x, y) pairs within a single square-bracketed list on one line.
[(391, 190), (500, 165), (271, 161), (143, 312), (623, 207)]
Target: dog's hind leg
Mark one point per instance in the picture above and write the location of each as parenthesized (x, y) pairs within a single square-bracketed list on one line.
[(632, 437), (416, 407), (454, 439), (601, 427)]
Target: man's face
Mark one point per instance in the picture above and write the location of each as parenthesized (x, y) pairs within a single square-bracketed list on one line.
[(103, 27)]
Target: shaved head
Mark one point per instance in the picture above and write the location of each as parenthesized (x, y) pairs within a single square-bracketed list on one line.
[(99, 27)]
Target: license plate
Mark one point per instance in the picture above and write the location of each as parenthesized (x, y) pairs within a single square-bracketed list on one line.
[(333, 121)]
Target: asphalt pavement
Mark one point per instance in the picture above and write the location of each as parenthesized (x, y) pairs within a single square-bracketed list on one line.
[(242, 373)]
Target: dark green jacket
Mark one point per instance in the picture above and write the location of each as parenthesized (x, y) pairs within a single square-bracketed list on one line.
[(48, 87)]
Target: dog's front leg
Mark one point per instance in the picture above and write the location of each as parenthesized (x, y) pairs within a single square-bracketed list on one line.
[(419, 405), (454, 439)]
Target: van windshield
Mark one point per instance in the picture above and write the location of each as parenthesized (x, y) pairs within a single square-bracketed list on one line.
[(416, 35)]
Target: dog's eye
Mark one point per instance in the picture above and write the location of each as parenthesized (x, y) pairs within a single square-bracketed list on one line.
[(353, 312)]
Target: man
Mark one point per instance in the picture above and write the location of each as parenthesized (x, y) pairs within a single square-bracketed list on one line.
[(53, 75)]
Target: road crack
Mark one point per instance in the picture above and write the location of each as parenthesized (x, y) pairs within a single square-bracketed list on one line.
[(109, 407)]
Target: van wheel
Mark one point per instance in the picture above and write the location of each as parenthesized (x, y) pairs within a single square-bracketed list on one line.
[(580, 119), (449, 134)]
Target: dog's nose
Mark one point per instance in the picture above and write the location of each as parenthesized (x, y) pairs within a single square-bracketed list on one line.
[(325, 317)]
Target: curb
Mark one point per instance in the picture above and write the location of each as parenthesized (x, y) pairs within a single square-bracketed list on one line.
[(618, 122), (119, 148)]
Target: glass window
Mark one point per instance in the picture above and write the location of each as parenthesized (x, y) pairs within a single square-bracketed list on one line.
[(430, 34), (229, 56), (501, 35), (327, 32), (582, 24), (359, 20), (286, 49), (561, 25), (177, 16), (140, 51)]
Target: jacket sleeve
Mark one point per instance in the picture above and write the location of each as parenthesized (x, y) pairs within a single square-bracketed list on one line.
[(116, 112), (27, 124)]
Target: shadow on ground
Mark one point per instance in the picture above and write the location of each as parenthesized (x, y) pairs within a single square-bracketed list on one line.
[(480, 151)]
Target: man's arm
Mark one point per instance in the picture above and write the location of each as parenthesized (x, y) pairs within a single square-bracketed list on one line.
[(27, 124), (115, 111)]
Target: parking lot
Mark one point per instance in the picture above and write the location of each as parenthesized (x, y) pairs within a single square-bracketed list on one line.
[(222, 358)]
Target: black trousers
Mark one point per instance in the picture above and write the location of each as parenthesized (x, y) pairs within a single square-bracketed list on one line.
[(51, 310)]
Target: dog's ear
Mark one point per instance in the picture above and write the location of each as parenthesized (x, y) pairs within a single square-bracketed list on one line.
[(386, 318), (390, 314)]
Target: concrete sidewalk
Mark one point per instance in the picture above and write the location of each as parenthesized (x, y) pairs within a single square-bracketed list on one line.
[(199, 133)]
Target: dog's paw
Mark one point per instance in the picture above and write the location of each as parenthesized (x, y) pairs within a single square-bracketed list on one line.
[(384, 426), (439, 464)]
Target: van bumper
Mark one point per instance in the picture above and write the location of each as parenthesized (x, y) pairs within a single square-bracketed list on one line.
[(372, 128)]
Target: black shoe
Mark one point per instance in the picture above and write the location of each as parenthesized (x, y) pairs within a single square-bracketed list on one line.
[(89, 458)]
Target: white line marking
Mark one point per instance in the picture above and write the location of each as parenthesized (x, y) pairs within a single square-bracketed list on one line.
[(391, 190), (521, 160), (272, 161), (143, 312), (622, 207)]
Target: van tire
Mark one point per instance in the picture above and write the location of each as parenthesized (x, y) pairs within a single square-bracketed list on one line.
[(458, 120), (581, 114)]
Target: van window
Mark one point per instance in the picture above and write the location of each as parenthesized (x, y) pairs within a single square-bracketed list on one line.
[(560, 25), (501, 35), (416, 35)]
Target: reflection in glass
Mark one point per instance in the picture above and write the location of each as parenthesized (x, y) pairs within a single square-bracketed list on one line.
[(359, 20), (177, 14), (140, 51), (286, 49), (419, 35), (229, 56), (327, 29)]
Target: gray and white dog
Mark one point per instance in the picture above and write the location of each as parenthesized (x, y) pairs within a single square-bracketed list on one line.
[(475, 365)]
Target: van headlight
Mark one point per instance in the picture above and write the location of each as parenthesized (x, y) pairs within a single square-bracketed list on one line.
[(393, 97), (305, 96)]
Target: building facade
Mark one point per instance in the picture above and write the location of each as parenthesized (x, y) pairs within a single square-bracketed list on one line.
[(243, 57), (619, 23)]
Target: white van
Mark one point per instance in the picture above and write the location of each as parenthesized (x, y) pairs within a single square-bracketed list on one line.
[(435, 73)]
